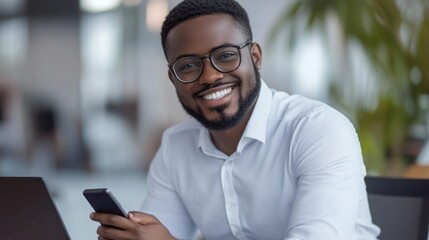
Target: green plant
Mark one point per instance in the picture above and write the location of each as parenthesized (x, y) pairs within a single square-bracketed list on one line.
[(393, 36)]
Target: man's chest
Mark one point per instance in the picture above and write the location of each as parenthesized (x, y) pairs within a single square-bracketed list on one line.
[(252, 195)]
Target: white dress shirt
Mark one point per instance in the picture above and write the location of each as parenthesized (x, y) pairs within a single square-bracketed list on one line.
[(297, 174)]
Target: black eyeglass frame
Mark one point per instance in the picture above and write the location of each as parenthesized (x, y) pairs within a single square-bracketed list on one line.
[(210, 57)]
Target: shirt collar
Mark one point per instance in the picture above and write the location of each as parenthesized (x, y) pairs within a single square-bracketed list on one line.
[(257, 126)]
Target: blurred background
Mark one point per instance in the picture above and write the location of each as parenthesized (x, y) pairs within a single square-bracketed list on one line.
[(84, 92)]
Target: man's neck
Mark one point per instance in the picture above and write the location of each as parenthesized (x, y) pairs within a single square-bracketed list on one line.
[(227, 140)]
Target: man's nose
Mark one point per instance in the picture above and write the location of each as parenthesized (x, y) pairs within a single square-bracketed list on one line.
[(209, 74)]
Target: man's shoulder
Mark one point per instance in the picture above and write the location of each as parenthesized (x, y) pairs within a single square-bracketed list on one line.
[(296, 106)]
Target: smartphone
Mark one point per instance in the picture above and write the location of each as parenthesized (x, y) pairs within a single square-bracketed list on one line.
[(103, 201)]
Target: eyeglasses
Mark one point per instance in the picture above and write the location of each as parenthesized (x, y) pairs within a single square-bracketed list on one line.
[(225, 59)]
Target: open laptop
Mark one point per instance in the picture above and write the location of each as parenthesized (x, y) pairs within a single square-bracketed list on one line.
[(27, 211)]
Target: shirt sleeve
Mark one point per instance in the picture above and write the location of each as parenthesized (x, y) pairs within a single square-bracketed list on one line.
[(163, 201), (327, 169)]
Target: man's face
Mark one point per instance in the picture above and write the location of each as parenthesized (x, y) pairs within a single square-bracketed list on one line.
[(217, 100)]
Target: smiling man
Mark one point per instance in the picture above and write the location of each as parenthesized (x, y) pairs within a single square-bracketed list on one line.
[(252, 162)]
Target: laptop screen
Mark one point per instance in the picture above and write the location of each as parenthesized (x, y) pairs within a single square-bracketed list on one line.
[(27, 210)]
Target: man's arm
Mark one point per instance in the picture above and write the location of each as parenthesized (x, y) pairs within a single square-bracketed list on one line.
[(328, 169), (163, 200)]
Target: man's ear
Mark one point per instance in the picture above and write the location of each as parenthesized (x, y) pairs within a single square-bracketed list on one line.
[(256, 52), (171, 76)]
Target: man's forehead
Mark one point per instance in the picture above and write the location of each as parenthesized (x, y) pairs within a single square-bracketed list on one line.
[(203, 33)]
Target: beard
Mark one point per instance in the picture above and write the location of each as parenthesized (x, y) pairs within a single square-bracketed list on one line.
[(225, 122)]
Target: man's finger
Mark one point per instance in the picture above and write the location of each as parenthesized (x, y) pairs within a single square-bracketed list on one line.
[(142, 218), (111, 220)]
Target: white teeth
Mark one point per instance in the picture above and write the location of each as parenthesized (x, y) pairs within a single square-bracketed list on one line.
[(218, 95)]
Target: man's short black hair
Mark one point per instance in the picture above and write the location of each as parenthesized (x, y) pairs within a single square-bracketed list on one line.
[(189, 9)]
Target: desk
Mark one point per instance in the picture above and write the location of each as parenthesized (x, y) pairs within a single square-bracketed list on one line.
[(417, 171)]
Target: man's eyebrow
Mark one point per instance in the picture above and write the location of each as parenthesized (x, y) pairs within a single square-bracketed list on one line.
[(185, 55), (211, 50)]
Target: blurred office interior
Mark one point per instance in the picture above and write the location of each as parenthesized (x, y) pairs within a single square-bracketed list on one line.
[(94, 75), (84, 92)]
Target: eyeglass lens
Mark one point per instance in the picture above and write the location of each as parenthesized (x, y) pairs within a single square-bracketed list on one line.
[(224, 59)]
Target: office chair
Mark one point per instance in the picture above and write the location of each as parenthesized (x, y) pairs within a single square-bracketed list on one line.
[(400, 207)]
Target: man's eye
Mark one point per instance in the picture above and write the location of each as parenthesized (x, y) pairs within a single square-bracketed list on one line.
[(188, 67), (227, 56)]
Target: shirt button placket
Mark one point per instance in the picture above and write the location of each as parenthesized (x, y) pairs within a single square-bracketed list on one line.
[(231, 199)]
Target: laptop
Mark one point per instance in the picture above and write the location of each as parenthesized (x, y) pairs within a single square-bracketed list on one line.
[(27, 211)]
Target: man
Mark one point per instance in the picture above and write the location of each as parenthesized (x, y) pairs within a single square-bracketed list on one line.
[(252, 163)]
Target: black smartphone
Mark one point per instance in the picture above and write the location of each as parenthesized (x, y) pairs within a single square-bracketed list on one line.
[(103, 201)]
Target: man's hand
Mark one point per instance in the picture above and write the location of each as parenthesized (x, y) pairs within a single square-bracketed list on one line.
[(138, 226)]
